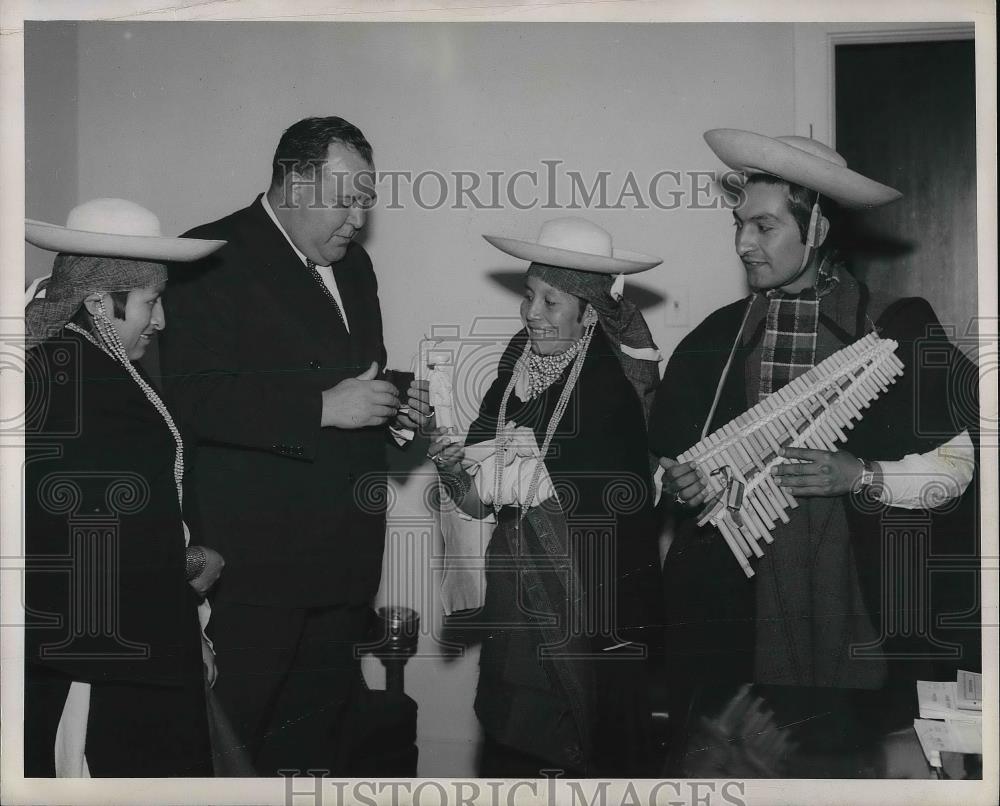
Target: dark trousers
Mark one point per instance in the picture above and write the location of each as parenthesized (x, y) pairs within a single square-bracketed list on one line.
[(288, 679)]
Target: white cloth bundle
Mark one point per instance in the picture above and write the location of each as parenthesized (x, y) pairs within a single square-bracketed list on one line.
[(522, 457), (465, 538)]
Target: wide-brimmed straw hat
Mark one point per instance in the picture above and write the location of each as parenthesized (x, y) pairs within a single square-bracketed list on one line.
[(106, 245), (575, 243), (801, 160), (115, 228)]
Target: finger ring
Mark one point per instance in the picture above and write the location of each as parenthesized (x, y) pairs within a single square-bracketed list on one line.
[(678, 499)]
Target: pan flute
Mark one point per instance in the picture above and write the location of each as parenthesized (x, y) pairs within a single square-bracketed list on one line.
[(812, 411)]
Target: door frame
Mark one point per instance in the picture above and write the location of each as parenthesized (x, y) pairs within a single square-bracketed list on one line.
[(814, 45)]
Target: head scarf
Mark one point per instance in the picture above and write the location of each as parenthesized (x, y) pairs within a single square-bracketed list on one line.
[(75, 276), (621, 320)]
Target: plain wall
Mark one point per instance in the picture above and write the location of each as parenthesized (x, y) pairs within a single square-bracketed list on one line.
[(183, 118), (50, 126)]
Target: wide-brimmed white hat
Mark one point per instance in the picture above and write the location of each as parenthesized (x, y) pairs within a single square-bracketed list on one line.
[(575, 243), (115, 228), (800, 160)]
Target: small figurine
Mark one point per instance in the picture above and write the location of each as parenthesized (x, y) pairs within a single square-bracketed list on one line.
[(442, 397)]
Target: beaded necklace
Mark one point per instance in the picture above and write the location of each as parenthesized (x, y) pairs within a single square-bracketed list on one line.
[(502, 439), (111, 345), (545, 370)]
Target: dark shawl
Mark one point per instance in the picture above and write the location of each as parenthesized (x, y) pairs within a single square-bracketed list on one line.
[(106, 589)]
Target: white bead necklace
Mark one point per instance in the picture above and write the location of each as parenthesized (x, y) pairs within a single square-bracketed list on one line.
[(111, 345), (545, 370), (502, 439)]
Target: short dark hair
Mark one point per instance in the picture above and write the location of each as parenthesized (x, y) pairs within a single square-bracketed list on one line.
[(800, 199), (303, 146), (119, 299)]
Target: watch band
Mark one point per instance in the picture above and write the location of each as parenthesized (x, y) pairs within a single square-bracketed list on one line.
[(867, 476)]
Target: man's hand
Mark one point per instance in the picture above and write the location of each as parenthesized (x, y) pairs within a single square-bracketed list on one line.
[(683, 483), (214, 563), (359, 402), (821, 472), (418, 405)]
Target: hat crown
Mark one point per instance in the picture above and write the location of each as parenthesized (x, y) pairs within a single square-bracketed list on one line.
[(113, 217), (576, 235), (814, 147)]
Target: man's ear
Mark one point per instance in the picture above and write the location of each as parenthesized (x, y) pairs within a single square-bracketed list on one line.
[(93, 303), (822, 230)]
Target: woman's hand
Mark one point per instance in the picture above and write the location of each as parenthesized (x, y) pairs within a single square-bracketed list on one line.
[(446, 451), (208, 660), (209, 575), (683, 483)]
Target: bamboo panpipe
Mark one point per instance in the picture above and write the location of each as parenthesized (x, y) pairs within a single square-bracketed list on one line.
[(814, 410)]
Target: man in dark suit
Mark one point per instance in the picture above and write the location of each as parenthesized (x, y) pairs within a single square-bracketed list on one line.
[(273, 365)]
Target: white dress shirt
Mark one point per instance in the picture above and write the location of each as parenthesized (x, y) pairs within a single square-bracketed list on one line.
[(325, 272)]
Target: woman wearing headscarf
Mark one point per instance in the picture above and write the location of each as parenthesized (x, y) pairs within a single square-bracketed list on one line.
[(116, 663), (557, 457)]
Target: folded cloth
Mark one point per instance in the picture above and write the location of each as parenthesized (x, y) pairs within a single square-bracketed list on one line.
[(71, 733), (521, 460), (463, 581), (465, 539)]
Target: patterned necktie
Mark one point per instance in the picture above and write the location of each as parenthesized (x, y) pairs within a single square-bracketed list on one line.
[(329, 294)]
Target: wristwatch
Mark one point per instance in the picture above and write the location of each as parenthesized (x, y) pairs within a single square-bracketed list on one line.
[(867, 476)]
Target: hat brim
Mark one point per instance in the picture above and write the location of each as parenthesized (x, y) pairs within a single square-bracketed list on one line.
[(750, 153), (622, 262), (139, 247)]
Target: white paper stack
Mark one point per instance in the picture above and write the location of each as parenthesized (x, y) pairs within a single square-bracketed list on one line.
[(951, 717)]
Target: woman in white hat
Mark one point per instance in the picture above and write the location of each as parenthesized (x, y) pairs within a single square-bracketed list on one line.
[(115, 668), (572, 564)]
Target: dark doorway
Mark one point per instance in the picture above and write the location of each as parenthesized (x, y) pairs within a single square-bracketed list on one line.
[(906, 115)]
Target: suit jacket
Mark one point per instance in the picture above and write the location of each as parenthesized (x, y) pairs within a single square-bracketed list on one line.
[(298, 511)]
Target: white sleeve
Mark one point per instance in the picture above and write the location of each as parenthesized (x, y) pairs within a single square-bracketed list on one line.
[(928, 480)]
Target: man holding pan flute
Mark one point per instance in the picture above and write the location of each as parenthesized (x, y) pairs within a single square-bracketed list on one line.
[(813, 613)]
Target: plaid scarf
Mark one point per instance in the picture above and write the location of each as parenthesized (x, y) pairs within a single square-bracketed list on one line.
[(789, 345)]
